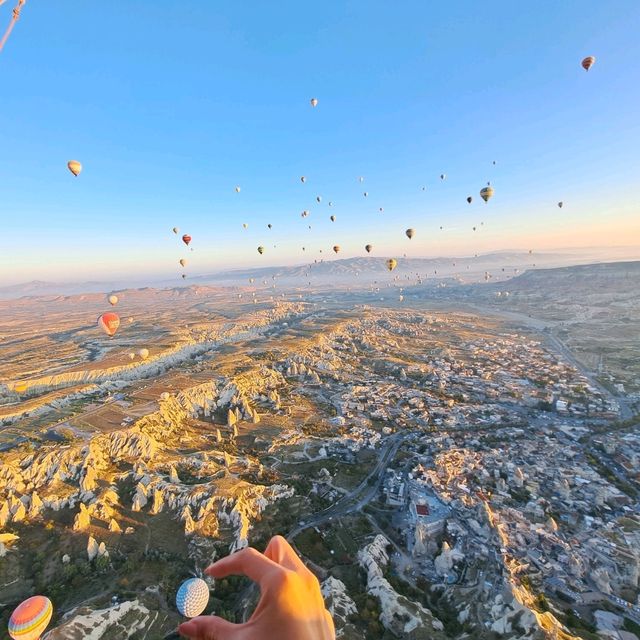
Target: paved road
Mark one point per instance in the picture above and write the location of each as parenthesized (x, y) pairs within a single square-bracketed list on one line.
[(363, 493)]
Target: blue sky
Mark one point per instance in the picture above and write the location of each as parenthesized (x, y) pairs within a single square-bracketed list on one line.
[(170, 105)]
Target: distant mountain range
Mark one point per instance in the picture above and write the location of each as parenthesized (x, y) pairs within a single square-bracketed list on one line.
[(349, 271)]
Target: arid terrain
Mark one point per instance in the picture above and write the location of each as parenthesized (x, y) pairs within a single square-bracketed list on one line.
[(416, 452)]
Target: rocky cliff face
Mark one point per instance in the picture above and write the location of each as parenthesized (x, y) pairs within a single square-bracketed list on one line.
[(398, 614)]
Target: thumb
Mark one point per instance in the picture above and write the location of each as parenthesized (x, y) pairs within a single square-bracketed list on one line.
[(209, 628)]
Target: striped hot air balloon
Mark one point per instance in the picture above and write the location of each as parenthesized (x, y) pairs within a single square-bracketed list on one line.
[(109, 323), (587, 62), (30, 618)]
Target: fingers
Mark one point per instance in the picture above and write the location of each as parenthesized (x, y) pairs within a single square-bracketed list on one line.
[(281, 552), (209, 628), (247, 562)]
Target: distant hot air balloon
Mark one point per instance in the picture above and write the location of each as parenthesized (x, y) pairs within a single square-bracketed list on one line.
[(269, 226), (165, 395), (560, 204), (175, 230), (391, 264), (143, 353), (186, 238), (587, 62), (183, 262), (318, 199), (381, 210), (131, 355), (113, 300), (332, 218), (443, 176), (30, 618), (469, 199), (303, 179), (304, 214), (237, 189), (109, 323), (314, 102), (368, 248), (410, 233), (401, 298), (361, 178), (184, 275), (261, 250), (75, 167), (336, 248), (486, 193), (365, 194)]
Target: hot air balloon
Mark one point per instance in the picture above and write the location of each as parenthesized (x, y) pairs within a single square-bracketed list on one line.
[(304, 214), (361, 178), (237, 189), (332, 218), (410, 233), (175, 230), (260, 250), (587, 62), (486, 193), (30, 618), (336, 248), (401, 298), (365, 194), (251, 280), (269, 226), (318, 199), (469, 199), (143, 353), (131, 355), (186, 238), (192, 597), (330, 203), (75, 167), (560, 204), (368, 248), (165, 395), (183, 262), (391, 264), (314, 102), (245, 225), (303, 179), (443, 176), (184, 275), (381, 210), (109, 323), (113, 300)]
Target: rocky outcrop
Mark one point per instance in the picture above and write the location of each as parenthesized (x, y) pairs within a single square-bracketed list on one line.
[(398, 614), (339, 604)]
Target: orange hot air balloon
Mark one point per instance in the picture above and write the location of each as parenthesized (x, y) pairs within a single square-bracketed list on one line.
[(336, 248), (587, 62), (75, 167), (186, 238), (109, 323)]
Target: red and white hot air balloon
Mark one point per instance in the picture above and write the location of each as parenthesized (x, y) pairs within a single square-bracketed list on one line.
[(186, 238), (109, 323)]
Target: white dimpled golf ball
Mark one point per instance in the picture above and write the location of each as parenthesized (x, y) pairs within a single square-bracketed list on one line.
[(192, 597)]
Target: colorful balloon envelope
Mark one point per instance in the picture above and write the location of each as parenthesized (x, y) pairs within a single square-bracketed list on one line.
[(486, 193), (186, 238), (336, 248), (391, 263), (143, 353), (75, 167), (109, 323), (588, 62), (30, 618), (260, 250), (175, 230), (192, 597), (113, 300)]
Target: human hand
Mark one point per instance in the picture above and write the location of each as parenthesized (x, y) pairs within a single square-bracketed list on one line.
[(290, 607)]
